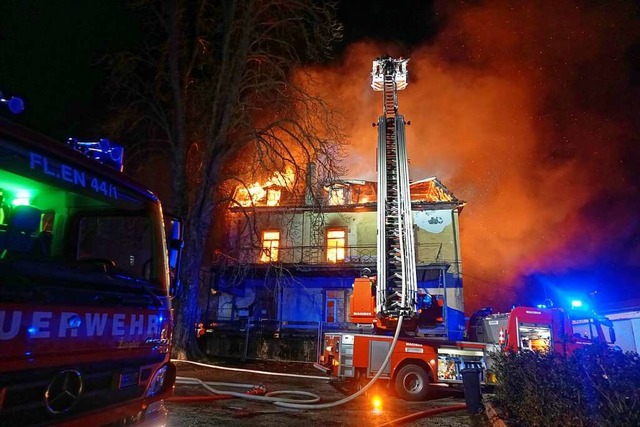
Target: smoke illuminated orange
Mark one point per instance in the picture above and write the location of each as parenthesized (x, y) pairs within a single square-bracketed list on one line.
[(509, 109)]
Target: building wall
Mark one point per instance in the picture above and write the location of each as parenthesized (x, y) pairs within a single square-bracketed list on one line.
[(305, 297)]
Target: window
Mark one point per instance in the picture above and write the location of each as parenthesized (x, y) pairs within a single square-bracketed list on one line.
[(273, 197), (331, 313), (124, 240), (336, 196), (270, 244), (334, 306), (336, 242)]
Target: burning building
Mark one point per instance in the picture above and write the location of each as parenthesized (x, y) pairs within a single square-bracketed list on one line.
[(294, 257)]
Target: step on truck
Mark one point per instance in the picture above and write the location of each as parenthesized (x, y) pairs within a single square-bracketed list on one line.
[(85, 312)]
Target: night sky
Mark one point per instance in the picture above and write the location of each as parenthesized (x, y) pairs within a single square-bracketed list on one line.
[(528, 112), (50, 56)]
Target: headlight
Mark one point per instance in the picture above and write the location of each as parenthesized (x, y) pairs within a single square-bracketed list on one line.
[(156, 384)]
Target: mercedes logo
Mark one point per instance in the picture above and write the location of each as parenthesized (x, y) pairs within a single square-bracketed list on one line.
[(63, 391)]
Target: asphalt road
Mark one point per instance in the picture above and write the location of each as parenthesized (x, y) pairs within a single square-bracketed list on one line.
[(186, 411)]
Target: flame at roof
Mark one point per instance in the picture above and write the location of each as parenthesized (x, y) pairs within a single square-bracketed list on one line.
[(342, 192), (431, 190)]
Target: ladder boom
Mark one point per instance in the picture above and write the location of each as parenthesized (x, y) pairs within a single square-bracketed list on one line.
[(396, 278)]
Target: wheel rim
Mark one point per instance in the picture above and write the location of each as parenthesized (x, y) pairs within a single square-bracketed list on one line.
[(413, 383)]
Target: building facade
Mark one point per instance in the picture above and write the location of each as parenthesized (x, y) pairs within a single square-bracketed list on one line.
[(293, 258)]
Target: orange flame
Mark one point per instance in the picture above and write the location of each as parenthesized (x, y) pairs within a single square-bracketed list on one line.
[(267, 193)]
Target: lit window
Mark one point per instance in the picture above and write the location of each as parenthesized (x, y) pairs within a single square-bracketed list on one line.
[(270, 243), (336, 240)]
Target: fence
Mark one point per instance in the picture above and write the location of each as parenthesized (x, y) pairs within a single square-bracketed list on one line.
[(273, 340), (317, 255)]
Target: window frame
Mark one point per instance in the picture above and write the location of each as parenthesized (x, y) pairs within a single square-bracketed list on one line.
[(345, 231), (266, 253)]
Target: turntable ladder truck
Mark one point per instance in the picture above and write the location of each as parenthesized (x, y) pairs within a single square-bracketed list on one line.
[(380, 301)]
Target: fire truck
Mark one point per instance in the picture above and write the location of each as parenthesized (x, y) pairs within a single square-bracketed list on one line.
[(85, 278), (390, 300)]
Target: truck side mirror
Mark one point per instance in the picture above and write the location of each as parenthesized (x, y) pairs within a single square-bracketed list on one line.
[(175, 243)]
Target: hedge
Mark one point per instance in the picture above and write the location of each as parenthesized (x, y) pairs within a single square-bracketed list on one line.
[(596, 386)]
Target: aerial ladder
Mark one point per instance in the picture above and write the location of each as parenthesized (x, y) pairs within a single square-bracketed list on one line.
[(392, 293)]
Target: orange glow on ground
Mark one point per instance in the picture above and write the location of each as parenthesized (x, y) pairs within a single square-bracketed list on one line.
[(376, 403)]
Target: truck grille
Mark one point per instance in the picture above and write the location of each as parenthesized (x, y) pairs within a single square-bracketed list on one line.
[(22, 394)]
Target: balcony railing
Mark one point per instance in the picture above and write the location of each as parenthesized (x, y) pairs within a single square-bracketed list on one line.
[(358, 255)]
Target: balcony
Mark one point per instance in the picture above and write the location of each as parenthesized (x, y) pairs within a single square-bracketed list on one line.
[(358, 256)]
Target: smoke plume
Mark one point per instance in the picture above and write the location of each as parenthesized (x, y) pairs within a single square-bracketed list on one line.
[(529, 113)]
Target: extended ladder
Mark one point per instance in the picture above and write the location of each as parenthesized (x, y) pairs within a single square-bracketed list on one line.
[(396, 278)]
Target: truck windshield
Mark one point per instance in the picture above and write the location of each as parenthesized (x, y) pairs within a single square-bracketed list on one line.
[(65, 228)]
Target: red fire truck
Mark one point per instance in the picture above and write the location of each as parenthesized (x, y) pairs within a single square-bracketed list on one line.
[(391, 300), (85, 312)]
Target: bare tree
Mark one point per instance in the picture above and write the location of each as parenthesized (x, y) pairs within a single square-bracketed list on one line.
[(215, 87)]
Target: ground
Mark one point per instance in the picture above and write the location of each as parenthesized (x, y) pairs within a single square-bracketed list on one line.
[(243, 412)]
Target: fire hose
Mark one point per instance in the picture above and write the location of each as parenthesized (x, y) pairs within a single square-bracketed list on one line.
[(256, 393), (283, 402), (424, 414)]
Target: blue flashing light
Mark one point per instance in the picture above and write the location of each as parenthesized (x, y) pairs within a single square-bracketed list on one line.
[(576, 303), (104, 151), (541, 306), (32, 330), (15, 104)]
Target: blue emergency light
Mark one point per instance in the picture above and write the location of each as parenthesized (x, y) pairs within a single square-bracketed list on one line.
[(576, 303), (14, 104), (103, 150)]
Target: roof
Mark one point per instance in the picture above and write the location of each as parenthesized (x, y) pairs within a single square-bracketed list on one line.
[(431, 190), (347, 191)]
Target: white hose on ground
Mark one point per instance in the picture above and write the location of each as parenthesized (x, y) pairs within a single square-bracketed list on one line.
[(251, 371), (268, 397), (288, 403), (359, 392)]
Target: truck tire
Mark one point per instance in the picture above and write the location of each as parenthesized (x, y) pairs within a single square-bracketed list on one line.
[(412, 383)]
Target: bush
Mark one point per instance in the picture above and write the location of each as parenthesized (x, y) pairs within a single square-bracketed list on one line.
[(596, 386)]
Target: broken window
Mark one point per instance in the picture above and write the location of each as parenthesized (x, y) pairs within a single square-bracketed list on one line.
[(273, 197), (270, 244), (336, 196), (336, 243)]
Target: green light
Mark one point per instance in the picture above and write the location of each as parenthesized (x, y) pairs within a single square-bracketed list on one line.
[(23, 197)]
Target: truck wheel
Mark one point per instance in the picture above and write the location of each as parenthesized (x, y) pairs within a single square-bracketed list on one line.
[(412, 383)]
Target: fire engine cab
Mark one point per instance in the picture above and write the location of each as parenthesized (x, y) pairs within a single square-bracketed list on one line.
[(85, 312), (390, 300)]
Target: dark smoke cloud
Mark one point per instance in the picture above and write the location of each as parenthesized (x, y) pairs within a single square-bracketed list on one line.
[(529, 112)]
